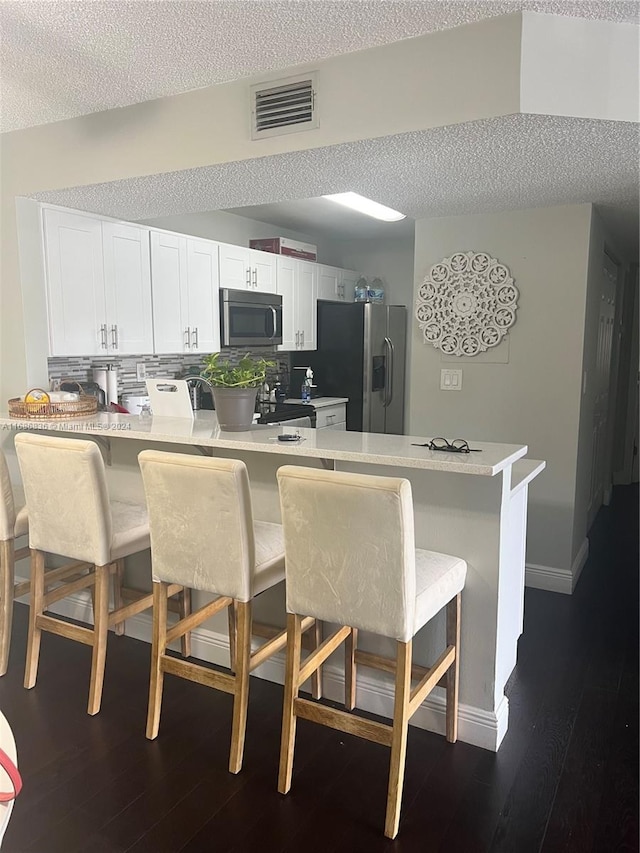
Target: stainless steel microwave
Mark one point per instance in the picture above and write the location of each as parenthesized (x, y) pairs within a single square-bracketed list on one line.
[(250, 319)]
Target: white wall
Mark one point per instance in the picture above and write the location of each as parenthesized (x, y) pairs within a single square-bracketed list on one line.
[(579, 67), (533, 397), (238, 230)]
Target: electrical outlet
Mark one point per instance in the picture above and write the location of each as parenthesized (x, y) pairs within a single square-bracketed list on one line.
[(141, 371)]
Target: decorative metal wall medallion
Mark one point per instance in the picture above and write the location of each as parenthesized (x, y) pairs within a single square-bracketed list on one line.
[(467, 303)]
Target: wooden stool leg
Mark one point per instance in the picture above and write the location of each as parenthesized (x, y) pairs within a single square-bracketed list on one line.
[(316, 678), (350, 670), (185, 610), (231, 613), (118, 602), (453, 673), (287, 744), (7, 580), (157, 650), (241, 696), (399, 738), (35, 610), (100, 631)]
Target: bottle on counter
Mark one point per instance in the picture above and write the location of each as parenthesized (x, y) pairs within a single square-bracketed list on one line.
[(305, 391)]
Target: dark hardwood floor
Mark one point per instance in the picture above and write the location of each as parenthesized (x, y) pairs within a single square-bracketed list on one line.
[(565, 778)]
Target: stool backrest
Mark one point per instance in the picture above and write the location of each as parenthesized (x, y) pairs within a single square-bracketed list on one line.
[(349, 549), (7, 508), (201, 522), (66, 492)]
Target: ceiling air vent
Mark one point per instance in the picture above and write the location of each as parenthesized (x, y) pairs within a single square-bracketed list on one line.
[(284, 106)]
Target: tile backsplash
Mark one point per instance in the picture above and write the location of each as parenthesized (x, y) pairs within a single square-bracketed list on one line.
[(156, 366)]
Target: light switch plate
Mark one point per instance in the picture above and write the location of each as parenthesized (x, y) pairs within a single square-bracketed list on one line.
[(451, 380), (141, 371)]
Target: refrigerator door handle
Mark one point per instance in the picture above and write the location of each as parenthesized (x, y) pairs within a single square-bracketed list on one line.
[(388, 379)]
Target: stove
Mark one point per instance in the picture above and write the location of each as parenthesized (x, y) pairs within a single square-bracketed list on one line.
[(276, 413)]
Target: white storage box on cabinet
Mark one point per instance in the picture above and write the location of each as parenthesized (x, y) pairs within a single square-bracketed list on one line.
[(297, 284), (98, 285), (247, 269), (186, 309)]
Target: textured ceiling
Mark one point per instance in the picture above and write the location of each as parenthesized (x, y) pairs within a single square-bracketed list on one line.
[(64, 58), (518, 161)]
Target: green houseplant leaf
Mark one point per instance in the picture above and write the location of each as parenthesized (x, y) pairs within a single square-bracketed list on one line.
[(248, 373)]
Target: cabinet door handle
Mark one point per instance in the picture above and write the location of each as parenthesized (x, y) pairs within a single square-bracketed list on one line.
[(255, 276), (187, 333), (302, 338), (103, 336), (248, 276), (195, 338), (114, 336), (297, 339)]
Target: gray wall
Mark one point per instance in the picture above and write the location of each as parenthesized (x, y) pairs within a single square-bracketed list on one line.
[(528, 389), (238, 230)]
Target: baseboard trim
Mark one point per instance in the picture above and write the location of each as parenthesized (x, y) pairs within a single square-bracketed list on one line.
[(579, 562), (557, 580), (476, 726)]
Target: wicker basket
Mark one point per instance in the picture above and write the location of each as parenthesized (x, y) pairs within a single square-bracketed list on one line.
[(46, 410)]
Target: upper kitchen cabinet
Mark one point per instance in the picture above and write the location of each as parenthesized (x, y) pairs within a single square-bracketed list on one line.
[(98, 286), (335, 284), (186, 313), (247, 269), (127, 286), (348, 281), (297, 284)]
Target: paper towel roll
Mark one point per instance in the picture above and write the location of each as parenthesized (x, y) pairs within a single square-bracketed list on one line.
[(112, 385), (100, 377)]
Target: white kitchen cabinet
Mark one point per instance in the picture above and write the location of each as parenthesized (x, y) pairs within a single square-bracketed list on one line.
[(297, 284), (348, 281), (75, 284), (127, 286), (332, 417), (247, 269), (329, 283), (335, 284), (186, 312), (98, 285)]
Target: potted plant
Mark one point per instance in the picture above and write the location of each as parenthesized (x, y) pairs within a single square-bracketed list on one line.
[(234, 389)]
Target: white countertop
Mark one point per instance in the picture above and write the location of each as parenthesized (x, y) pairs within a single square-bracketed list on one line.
[(320, 402), (203, 430)]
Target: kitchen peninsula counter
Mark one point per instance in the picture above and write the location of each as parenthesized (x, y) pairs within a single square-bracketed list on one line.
[(471, 505), (341, 446)]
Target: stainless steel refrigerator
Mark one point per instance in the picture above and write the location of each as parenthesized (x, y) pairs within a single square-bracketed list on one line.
[(361, 355)]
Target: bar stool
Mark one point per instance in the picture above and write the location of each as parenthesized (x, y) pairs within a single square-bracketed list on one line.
[(203, 536), (351, 560), (14, 522), (71, 514)]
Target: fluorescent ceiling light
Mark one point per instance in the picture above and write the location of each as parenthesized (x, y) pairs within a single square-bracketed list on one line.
[(365, 205)]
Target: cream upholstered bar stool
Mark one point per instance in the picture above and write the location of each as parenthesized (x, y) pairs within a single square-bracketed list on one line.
[(14, 522), (71, 514), (351, 560), (203, 536)]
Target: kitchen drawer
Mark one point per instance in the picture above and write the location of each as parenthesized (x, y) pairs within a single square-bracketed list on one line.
[(329, 416)]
